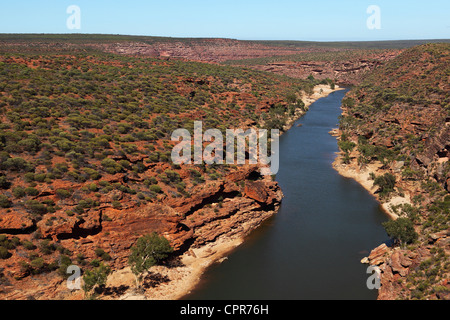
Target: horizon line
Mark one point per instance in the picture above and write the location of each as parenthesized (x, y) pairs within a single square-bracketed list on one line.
[(222, 38)]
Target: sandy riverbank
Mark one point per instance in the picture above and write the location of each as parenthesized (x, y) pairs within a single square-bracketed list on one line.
[(184, 278), (353, 171), (362, 176), (320, 91)]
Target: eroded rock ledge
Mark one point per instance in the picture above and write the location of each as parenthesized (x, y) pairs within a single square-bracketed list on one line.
[(219, 212)]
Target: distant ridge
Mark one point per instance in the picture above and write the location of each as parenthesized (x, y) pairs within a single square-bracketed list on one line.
[(77, 38)]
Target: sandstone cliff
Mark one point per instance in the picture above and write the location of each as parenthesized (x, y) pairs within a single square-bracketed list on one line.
[(344, 71)]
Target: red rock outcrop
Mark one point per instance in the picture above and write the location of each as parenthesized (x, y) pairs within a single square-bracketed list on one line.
[(217, 208), (346, 72), (15, 223)]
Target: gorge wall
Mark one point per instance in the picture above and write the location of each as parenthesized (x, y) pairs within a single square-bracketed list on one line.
[(396, 124)]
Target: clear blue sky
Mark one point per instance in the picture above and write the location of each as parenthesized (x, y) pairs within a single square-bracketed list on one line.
[(321, 20)]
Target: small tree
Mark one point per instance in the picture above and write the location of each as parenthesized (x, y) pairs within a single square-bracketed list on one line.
[(401, 230), (386, 183), (4, 201), (4, 183), (4, 253), (148, 251), (346, 145), (96, 277)]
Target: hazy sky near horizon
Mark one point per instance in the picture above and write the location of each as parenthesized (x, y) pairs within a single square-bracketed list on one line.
[(325, 20)]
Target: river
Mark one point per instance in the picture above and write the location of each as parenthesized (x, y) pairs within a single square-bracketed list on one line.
[(310, 249)]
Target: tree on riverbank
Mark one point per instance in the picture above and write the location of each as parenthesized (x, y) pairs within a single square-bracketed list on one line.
[(401, 230), (346, 146), (386, 184), (148, 251)]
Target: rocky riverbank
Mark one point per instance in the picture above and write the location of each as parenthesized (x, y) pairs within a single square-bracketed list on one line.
[(398, 265), (364, 176), (394, 135)]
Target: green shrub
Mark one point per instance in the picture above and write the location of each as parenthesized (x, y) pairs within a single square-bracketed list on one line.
[(19, 192), (28, 245), (47, 247), (102, 254), (4, 201), (346, 146), (346, 158), (4, 253), (9, 243), (63, 263), (63, 193), (36, 207), (111, 166), (116, 204), (95, 277), (40, 177), (173, 176), (95, 263), (401, 230), (29, 177), (17, 164), (155, 188), (38, 264), (93, 174), (31, 191), (386, 183), (4, 183)]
